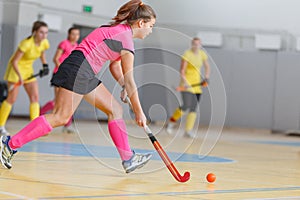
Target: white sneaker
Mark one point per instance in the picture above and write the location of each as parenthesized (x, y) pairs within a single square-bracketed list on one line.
[(190, 134), (3, 131), (6, 153), (68, 129), (137, 160), (170, 127)]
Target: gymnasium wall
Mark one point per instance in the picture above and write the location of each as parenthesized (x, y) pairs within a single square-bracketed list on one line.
[(1, 10), (247, 14), (261, 86), (286, 113), (101, 8)]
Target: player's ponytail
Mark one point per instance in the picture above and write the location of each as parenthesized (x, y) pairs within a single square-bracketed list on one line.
[(133, 11), (36, 26)]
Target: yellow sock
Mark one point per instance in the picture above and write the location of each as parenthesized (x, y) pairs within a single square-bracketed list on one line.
[(34, 110), (176, 115), (4, 112), (190, 121)]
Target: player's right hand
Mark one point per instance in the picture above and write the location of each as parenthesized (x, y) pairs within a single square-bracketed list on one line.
[(21, 81)]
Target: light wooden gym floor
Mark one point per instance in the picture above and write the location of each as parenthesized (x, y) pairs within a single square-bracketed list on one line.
[(249, 164)]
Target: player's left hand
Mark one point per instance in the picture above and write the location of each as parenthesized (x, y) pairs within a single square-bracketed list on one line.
[(205, 82), (44, 71)]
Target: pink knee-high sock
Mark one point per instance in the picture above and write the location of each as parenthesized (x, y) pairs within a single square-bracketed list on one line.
[(47, 107), (69, 122), (118, 133), (35, 129)]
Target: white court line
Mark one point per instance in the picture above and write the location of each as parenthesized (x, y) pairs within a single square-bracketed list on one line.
[(14, 195), (281, 198)]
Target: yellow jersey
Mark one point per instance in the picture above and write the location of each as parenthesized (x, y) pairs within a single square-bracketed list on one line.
[(31, 53), (193, 69)]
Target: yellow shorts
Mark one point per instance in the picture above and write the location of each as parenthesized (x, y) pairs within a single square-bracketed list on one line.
[(11, 75)]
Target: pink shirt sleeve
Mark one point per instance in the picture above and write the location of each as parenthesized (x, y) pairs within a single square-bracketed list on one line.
[(67, 48), (125, 38), (62, 45), (128, 43)]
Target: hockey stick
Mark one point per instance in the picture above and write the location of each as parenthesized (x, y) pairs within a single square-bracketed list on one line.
[(163, 155), (18, 83), (203, 83)]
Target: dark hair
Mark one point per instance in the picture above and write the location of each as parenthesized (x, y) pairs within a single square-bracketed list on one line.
[(71, 29), (36, 26), (133, 11)]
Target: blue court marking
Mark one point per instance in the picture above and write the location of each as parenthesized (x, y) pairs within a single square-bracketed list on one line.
[(110, 152), (294, 144), (197, 192)]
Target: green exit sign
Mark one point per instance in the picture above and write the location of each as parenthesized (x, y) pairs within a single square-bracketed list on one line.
[(87, 9)]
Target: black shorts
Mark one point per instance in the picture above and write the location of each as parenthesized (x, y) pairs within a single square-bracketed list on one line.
[(190, 101), (75, 74)]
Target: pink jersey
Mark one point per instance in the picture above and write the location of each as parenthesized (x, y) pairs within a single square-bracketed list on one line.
[(105, 44), (67, 47)]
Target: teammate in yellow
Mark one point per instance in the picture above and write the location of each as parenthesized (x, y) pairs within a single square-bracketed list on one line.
[(190, 71), (19, 69)]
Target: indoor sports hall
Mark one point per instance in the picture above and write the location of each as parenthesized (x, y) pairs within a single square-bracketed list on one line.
[(217, 81)]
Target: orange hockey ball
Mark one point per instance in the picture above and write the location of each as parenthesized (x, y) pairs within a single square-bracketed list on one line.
[(211, 177)]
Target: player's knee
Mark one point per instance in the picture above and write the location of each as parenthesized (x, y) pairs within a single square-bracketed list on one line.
[(61, 118), (11, 99), (184, 108), (34, 98), (193, 108), (117, 111)]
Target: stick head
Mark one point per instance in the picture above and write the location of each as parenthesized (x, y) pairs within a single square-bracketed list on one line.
[(185, 177)]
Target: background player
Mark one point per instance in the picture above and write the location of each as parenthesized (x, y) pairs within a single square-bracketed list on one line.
[(20, 68), (190, 72), (64, 49)]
